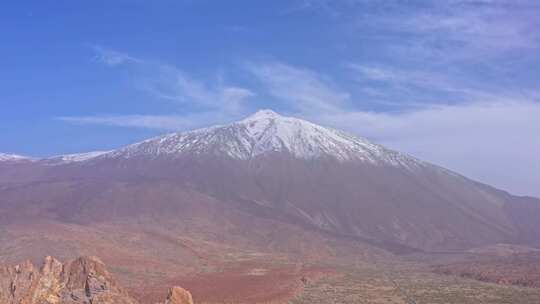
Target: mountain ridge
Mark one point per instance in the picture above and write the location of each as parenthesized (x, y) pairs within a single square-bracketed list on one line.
[(265, 131)]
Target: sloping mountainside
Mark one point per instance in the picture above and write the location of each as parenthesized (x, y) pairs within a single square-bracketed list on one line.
[(268, 167), (80, 281)]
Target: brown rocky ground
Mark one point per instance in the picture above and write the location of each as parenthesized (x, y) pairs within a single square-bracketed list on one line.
[(401, 282), (521, 269), (243, 282), (300, 268)]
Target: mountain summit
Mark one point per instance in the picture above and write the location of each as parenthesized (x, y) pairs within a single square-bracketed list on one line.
[(267, 132), (264, 132)]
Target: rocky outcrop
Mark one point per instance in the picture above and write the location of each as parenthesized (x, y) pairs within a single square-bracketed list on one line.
[(81, 281), (178, 295)]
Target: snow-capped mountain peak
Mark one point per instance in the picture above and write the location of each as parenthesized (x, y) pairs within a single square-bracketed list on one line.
[(262, 133), (262, 115), (266, 132)]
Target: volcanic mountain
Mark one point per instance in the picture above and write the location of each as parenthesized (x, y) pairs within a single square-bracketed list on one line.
[(274, 167)]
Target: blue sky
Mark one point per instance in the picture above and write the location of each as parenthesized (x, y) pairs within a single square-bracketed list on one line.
[(454, 82)]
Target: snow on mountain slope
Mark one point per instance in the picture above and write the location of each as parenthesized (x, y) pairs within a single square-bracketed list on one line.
[(55, 160), (78, 157), (266, 132), (13, 157), (261, 133)]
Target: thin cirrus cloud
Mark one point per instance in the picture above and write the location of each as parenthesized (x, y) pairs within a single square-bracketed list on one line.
[(111, 57), (418, 82), (169, 83), (439, 31), (303, 90), (161, 122), (492, 28), (144, 121), (206, 103)]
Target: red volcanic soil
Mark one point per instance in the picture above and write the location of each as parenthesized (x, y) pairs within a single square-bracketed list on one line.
[(242, 283), (518, 269)]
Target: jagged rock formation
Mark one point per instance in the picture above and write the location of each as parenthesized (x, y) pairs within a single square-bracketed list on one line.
[(81, 281), (178, 295)]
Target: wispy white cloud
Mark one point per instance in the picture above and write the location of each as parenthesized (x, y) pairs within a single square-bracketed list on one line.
[(111, 57), (170, 83), (376, 73), (441, 31), (466, 31), (159, 122), (201, 102), (489, 28), (164, 122), (303, 89), (434, 86), (165, 81)]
